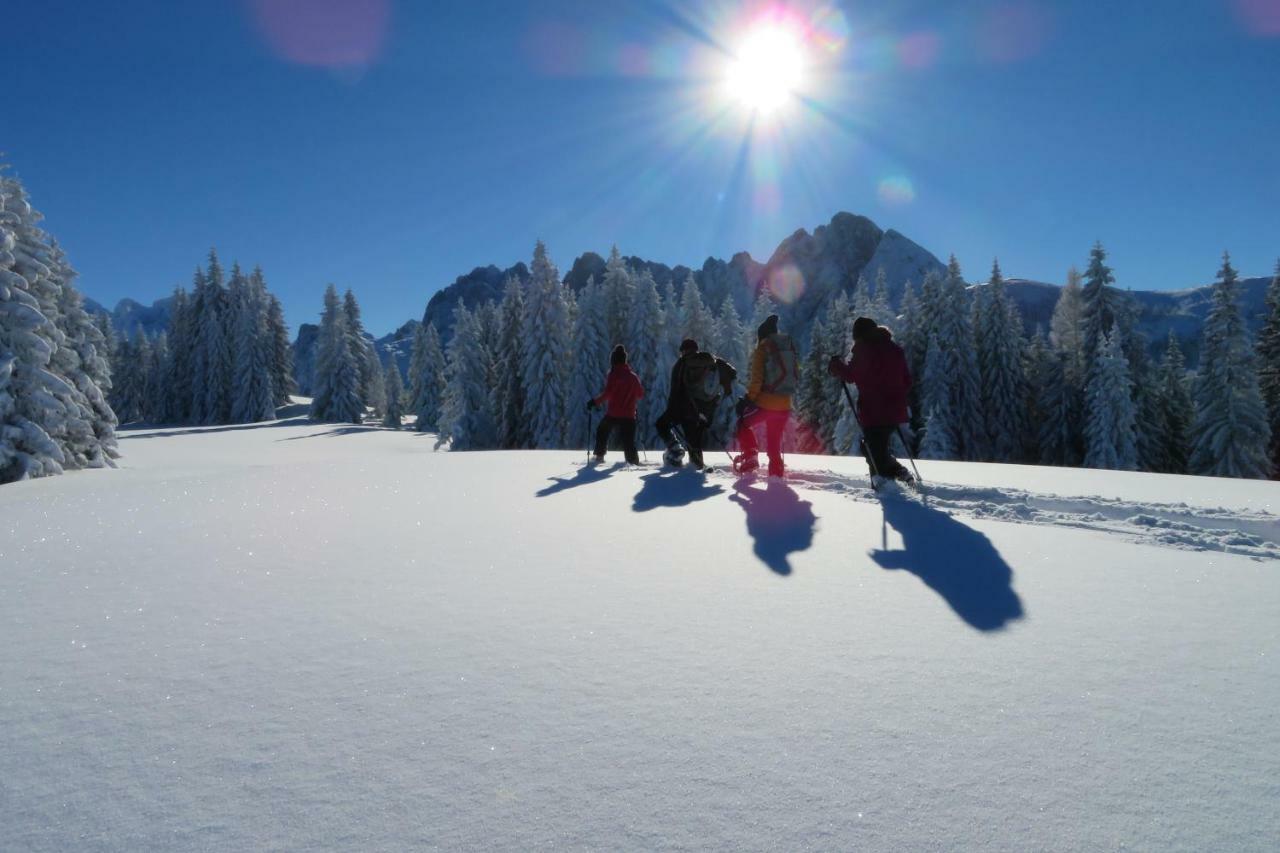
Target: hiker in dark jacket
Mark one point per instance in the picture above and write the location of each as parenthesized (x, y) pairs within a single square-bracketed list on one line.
[(768, 399), (879, 368), (622, 390), (692, 402)]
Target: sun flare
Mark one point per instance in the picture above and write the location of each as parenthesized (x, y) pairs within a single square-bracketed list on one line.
[(767, 69)]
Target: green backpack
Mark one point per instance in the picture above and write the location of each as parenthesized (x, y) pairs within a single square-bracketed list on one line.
[(780, 362)]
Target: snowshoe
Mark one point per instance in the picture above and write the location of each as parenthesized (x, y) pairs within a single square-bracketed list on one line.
[(674, 456), (597, 459), (745, 463)]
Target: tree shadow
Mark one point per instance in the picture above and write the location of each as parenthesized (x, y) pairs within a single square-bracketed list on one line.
[(953, 560), (337, 430), (585, 475), (780, 523), (679, 488), (131, 430)]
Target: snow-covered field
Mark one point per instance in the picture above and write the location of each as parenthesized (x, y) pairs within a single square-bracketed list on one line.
[(296, 636)]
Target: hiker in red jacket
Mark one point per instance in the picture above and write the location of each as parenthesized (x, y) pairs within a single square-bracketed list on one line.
[(622, 390), (879, 368)]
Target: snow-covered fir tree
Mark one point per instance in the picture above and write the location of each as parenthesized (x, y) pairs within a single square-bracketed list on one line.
[(730, 345), (837, 340), (1004, 392), (393, 414), (157, 372), (1146, 402), (1109, 432), (511, 425), (1230, 436), (696, 320), (282, 384), (1066, 336), (426, 377), (254, 397), (954, 333), (644, 337), (1269, 367), (616, 297), (1101, 307), (211, 359), (177, 382), (336, 396), (466, 414), (942, 439), (370, 369), (591, 346), (545, 353), (86, 363), (813, 388), (880, 308), (1173, 427)]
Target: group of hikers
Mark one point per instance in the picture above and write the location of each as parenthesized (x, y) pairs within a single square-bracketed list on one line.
[(701, 380)]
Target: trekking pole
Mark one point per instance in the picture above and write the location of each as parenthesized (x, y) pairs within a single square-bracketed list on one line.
[(589, 411), (910, 456), (875, 472)]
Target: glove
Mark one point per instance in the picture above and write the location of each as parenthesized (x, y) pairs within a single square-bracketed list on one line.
[(591, 405), (702, 419)]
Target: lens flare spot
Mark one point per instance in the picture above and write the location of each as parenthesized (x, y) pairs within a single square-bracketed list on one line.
[(786, 284), (896, 191), (1014, 32), (324, 33), (829, 29), (919, 51), (1260, 17)]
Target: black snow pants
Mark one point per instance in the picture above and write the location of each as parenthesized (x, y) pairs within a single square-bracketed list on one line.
[(626, 433)]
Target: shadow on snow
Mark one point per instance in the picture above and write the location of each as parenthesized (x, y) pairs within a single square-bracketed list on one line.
[(679, 488), (954, 560), (777, 519), (585, 476)]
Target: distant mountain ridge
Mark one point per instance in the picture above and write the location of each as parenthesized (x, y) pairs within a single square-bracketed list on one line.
[(808, 268)]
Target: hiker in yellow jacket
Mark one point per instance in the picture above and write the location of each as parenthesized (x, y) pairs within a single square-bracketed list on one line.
[(768, 399)]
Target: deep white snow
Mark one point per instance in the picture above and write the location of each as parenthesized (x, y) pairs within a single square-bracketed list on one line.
[(299, 636)]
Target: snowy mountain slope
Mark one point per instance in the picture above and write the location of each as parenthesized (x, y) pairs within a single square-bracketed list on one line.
[(295, 635)]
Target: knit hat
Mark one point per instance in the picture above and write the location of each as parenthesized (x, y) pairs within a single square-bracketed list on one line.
[(862, 327), (768, 328), (619, 355), (688, 345)]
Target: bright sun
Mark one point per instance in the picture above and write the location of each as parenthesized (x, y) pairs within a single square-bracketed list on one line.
[(767, 68)]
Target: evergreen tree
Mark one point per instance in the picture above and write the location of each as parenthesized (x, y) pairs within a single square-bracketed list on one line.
[(466, 415), (393, 415), (366, 360), (157, 374), (1109, 432), (1146, 401), (1230, 435), (1269, 368), (591, 356), (282, 384), (211, 356), (695, 320), (1176, 410), (1100, 307), (644, 337), (814, 433), (730, 345), (177, 381), (254, 361), (942, 439), (88, 366), (616, 297), (426, 377), (513, 431), (545, 346), (954, 332), (27, 388), (880, 309), (1004, 390), (337, 392), (1067, 338)]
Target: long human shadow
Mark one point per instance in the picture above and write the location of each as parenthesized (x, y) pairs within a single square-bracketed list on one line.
[(777, 519), (585, 475), (676, 489), (132, 430), (953, 560)]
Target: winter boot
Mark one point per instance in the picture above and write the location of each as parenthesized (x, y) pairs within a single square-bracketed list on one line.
[(745, 463), (776, 468), (674, 455)]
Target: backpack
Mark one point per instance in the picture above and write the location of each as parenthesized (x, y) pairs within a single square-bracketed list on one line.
[(779, 365), (701, 377)]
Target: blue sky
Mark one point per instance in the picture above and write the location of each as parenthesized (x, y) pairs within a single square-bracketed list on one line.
[(392, 146)]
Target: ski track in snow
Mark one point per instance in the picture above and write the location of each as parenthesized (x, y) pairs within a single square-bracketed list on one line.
[(1253, 534)]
